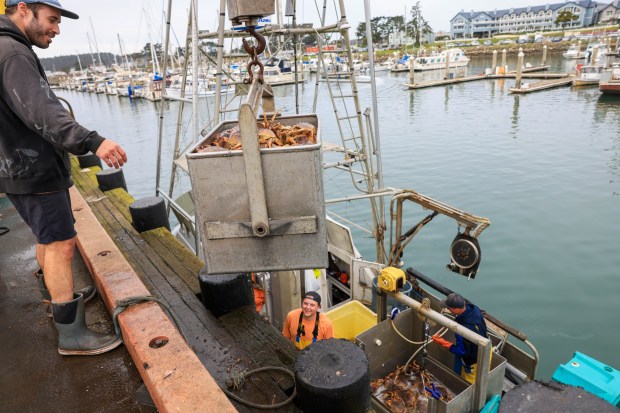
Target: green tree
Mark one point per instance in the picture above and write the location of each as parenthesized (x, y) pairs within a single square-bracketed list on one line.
[(381, 27), (418, 26), (564, 16)]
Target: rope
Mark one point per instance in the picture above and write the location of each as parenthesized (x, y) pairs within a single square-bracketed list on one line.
[(123, 305), (239, 382)]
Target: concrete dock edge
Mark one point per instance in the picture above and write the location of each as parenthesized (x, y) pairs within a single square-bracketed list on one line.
[(176, 379)]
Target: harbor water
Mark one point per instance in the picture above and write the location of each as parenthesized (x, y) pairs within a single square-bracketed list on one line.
[(543, 167)]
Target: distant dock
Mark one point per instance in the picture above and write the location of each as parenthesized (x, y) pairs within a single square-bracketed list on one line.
[(543, 85)]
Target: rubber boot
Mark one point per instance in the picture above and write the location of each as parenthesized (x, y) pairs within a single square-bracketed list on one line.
[(88, 292), (74, 338)]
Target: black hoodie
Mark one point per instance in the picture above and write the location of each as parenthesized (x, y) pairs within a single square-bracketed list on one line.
[(36, 130)]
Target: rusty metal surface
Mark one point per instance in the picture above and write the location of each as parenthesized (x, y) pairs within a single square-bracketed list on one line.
[(33, 376)]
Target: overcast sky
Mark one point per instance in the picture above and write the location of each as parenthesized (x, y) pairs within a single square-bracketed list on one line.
[(139, 21)]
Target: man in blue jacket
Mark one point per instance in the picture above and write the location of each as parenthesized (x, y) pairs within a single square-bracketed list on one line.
[(36, 135), (465, 352)]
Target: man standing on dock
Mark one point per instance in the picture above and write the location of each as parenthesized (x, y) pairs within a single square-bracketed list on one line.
[(305, 325), (36, 135), (465, 352)]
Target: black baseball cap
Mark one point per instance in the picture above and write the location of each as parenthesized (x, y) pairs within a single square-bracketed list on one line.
[(453, 300), (52, 3), (313, 295)]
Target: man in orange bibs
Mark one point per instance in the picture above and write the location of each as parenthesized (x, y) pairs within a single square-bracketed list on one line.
[(306, 325)]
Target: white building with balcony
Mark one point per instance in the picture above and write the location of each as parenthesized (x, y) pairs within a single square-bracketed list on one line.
[(524, 19)]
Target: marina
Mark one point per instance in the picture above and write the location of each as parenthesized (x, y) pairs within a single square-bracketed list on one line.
[(599, 107), (298, 188)]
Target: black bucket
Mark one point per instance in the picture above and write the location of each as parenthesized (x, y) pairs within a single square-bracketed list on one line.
[(332, 376), (225, 293)]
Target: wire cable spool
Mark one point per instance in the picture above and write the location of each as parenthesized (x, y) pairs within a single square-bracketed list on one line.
[(333, 376)]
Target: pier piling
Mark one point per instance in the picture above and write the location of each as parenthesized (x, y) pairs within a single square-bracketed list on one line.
[(411, 71), (594, 55), (519, 69), (544, 56), (494, 64), (447, 75), (504, 60)]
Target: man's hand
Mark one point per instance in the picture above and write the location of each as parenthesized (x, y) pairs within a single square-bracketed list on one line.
[(112, 154), (442, 342)]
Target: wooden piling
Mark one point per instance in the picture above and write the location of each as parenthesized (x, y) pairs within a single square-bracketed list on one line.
[(594, 55), (504, 60), (519, 69), (411, 71), (544, 56), (447, 75), (494, 64)]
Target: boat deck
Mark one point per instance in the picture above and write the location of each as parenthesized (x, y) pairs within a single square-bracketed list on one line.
[(32, 373)]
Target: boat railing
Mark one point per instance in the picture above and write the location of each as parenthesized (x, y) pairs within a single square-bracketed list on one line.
[(483, 343)]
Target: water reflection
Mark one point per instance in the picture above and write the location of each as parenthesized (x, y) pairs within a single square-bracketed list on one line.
[(515, 115)]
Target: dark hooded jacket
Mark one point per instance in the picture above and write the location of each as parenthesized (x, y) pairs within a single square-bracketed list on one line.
[(36, 130), (466, 351)]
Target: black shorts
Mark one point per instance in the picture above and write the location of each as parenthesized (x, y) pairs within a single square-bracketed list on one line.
[(49, 216)]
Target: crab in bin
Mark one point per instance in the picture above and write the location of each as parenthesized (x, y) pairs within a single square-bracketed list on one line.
[(271, 134)]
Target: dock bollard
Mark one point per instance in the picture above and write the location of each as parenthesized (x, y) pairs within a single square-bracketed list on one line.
[(111, 179), (149, 213), (332, 376), (225, 293), (88, 160)]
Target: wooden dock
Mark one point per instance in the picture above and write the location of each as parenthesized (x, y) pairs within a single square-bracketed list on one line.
[(226, 347), (542, 85), (528, 73)]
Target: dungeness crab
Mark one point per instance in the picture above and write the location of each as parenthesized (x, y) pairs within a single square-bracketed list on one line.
[(271, 134)]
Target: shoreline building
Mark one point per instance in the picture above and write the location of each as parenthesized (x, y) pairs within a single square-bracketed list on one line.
[(610, 14), (524, 19)]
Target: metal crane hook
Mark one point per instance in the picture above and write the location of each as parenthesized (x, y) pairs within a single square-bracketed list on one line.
[(254, 51)]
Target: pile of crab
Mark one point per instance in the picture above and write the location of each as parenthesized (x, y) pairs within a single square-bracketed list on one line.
[(271, 134), (405, 389)]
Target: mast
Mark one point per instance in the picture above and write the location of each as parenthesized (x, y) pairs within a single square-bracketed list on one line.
[(79, 61), (380, 216), (220, 58), (95, 39), (90, 47)]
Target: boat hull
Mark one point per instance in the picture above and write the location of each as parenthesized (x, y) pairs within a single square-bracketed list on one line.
[(609, 88)]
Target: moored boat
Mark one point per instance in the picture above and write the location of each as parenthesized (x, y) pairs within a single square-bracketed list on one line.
[(574, 52), (438, 60), (588, 75), (609, 84)]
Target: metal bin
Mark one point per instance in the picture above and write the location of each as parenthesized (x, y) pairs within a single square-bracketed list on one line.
[(386, 351), (293, 182)]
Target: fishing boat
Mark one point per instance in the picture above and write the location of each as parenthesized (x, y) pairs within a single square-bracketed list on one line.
[(609, 83), (588, 75), (279, 71), (226, 217), (453, 57), (264, 210), (206, 87)]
